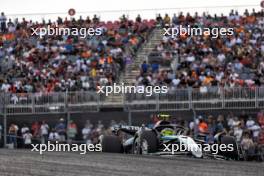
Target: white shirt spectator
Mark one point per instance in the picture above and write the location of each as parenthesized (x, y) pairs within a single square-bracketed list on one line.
[(255, 129), (250, 123), (86, 131), (203, 89), (221, 57), (44, 129), (238, 133), (230, 122), (14, 99), (190, 58), (5, 87), (27, 138), (176, 82), (3, 19), (24, 130)]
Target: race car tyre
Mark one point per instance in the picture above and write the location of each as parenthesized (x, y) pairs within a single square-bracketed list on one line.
[(148, 143), (111, 144), (234, 154)]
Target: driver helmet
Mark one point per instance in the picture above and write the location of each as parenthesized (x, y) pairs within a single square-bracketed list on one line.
[(167, 132)]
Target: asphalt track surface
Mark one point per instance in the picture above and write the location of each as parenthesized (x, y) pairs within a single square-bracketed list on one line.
[(27, 163)]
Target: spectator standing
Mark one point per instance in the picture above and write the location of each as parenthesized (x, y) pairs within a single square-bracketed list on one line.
[(238, 132), (24, 129), (71, 131), (253, 127), (12, 132), (247, 145), (86, 132), (95, 135), (27, 136), (61, 130), (44, 132), (3, 22), (211, 130), (138, 19), (144, 67), (203, 127), (220, 126), (155, 67), (260, 118), (167, 20), (159, 20), (261, 136), (35, 129)]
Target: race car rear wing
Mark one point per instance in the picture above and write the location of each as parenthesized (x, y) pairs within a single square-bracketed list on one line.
[(125, 128)]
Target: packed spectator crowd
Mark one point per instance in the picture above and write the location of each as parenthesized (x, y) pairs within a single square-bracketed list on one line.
[(52, 63), (200, 61), (248, 130), (60, 63), (42, 132)]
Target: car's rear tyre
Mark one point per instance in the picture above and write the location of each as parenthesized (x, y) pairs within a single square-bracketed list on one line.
[(148, 143), (111, 144), (234, 154)]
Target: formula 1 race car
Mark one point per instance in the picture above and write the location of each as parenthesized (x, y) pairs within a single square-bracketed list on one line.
[(164, 138)]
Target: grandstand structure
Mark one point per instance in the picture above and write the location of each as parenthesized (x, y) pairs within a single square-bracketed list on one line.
[(60, 75), (22, 94)]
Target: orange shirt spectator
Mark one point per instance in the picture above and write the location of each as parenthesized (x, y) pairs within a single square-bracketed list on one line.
[(109, 60), (133, 40), (101, 61), (86, 54), (203, 127)]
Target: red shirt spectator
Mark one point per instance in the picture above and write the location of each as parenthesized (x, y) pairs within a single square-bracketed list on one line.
[(260, 118), (35, 128)]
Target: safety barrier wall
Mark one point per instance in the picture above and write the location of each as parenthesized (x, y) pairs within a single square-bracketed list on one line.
[(198, 99), (175, 100)]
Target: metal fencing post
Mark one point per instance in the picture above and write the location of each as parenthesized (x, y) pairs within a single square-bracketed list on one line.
[(194, 122), (129, 117), (256, 97), (222, 91), (67, 114), (190, 91), (33, 102), (98, 101), (157, 102), (5, 122)]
